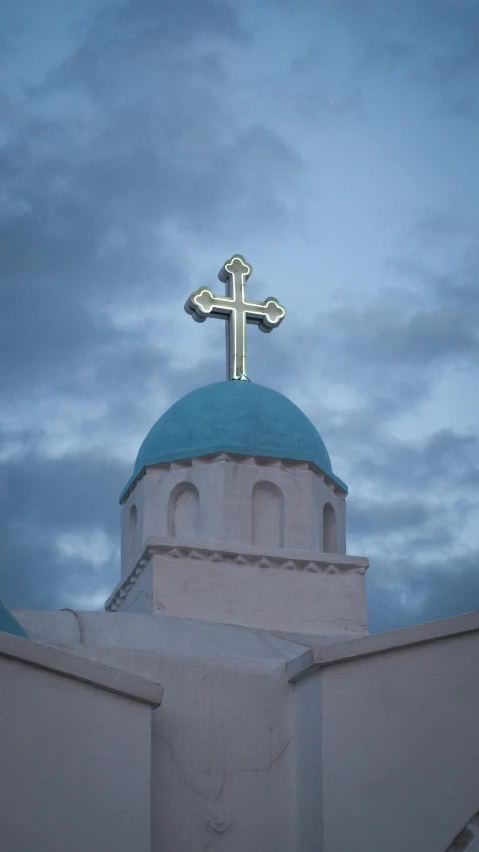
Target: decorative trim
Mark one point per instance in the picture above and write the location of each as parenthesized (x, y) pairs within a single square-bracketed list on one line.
[(324, 563), (124, 587), (258, 461)]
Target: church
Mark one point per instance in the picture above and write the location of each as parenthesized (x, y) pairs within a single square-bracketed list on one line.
[(230, 697)]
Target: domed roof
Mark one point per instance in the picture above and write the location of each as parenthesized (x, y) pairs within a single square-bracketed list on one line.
[(9, 624), (236, 417)]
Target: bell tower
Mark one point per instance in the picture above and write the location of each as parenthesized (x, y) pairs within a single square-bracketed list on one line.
[(233, 513)]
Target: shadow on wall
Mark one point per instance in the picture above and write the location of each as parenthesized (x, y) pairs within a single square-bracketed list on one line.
[(132, 534), (267, 515), (330, 529), (184, 511)]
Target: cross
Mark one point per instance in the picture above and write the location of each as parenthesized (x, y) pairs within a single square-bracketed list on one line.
[(237, 311)]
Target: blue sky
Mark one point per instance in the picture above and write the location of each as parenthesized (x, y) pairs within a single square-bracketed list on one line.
[(335, 145)]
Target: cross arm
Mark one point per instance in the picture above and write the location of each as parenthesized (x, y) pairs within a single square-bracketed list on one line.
[(267, 315), (202, 304)]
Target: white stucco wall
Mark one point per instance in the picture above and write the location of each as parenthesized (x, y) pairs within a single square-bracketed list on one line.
[(372, 750), (75, 764), (269, 598), (223, 759), (227, 487), (223, 753), (253, 586), (399, 746)]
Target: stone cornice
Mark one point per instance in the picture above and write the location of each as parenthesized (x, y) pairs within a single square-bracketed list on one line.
[(284, 560), (261, 461)]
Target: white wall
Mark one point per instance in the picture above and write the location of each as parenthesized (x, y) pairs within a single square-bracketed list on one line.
[(326, 601), (223, 751), (223, 754), (74, 765), (227, 487), (371, 752), (400, 734)]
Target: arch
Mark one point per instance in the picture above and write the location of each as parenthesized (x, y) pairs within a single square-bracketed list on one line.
[(132, 534), (330, 529), (267, 515), (183, 519)]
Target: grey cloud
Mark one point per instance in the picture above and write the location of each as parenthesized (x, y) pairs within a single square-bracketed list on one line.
[(92, 185), (40, 500), (442, 32), (128, 135), (431, 43), (448, 587), (428, 326), (444, 457), (132, 134), (374, 517), (390, 350)]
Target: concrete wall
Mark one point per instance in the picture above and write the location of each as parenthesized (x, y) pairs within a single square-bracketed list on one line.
[(255, 593), (231, 491), (400, 746), (223, 750), (75, 765), (374, 750), (253, 586), (223, 758)]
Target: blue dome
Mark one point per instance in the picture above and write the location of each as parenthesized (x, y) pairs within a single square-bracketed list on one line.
[(233, 417), (9, 624)]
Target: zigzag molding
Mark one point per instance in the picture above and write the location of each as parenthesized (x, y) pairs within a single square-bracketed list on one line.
[(258, 461), (230, 557)]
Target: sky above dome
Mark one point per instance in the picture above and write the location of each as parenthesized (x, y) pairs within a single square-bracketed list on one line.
[(335, 146)]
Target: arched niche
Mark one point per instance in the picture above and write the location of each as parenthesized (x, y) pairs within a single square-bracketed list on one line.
[(267, 515), (132, 534), (330, 529), (184, 511)]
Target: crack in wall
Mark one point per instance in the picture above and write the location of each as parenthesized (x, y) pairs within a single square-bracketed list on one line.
[(227, 775)]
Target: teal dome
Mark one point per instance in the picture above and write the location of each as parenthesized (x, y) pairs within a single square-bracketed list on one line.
[(9, 624), (233, 417)]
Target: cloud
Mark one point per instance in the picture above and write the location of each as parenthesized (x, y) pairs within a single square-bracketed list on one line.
[(59, 530), (425, 43), (142, 146), (124, 141), (439, 34), (402, 593), (127, 140)]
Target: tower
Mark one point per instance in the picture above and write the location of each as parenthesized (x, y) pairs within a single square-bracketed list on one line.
[(233, 513)]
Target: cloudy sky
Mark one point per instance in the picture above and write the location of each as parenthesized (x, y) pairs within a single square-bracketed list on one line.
[(335, 144)]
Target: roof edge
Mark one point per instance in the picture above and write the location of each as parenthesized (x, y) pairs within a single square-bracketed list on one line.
[(381, 643), (78, 668), (186, 455)]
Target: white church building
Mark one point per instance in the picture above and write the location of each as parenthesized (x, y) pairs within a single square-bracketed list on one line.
[(230, 698)]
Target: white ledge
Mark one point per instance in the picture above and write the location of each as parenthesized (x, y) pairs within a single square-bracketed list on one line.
[(96, 674), (209, 458), (381, 643), (240, 554)]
